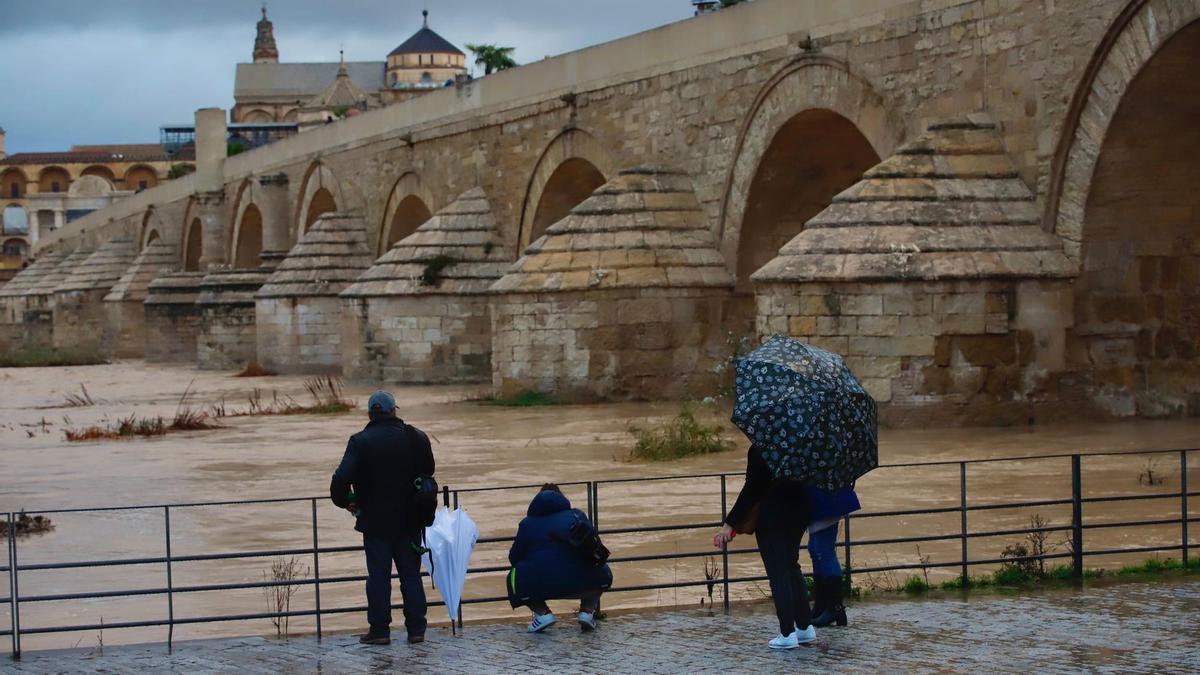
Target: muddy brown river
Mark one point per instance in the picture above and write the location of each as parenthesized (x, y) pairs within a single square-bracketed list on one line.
[(476, 446)]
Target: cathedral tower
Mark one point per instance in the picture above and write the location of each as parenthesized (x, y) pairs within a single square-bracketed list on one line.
[(264, 42)]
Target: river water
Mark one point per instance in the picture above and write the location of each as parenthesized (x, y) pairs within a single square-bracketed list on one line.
[(478, 446)]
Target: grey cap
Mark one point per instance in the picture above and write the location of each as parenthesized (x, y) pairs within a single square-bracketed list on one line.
[(381, 402)]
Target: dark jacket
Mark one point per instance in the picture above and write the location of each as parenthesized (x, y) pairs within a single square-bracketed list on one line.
[(544, 565), (826, 504), (380, 465), (767, 503)]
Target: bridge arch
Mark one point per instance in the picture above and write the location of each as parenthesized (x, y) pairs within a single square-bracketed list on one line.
[(571, 167), (320, 193), (244, 248), (192, 245), (1127, 209), (152, 227), (409, 205), (804, 114)]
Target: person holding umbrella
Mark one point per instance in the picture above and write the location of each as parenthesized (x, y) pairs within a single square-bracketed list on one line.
[(812, 425)]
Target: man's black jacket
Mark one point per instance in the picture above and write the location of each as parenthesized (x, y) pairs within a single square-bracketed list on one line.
[(381, 463)]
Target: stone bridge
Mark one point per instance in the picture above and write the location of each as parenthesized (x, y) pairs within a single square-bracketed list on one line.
[(989, 208)]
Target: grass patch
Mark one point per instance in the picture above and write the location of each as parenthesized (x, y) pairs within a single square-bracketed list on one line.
[(26, 525), (126, 427), (432, 273), (48, 357), (916, 584), (252, 369), (326, 393), (525, 399), (680, 436)]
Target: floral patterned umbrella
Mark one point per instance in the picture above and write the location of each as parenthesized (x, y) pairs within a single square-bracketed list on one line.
[(811, 418)]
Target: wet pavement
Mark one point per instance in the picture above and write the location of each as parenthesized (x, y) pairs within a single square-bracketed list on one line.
[(1127, 628)]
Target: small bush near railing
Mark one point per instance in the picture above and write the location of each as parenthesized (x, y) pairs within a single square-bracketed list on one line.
[(48, 357), (25, 525), (680, 436)]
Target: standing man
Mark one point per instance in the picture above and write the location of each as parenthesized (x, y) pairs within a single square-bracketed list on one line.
[(376, 482)]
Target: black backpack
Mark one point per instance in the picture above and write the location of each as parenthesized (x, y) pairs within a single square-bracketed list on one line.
[(584, 538), (425, 500)]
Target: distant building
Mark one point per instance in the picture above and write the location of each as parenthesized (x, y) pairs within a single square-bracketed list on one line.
[(705, 6), (42, 191), (306, 94)]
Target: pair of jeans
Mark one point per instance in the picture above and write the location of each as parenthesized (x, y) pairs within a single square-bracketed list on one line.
[(588, 602), (382, 552), (822, 550), (780, 552)]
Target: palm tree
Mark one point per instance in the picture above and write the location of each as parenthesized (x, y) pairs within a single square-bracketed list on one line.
[(493, 58)]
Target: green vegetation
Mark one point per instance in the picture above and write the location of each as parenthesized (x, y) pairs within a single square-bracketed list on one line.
[(916, 584), (525, 399), (492, 57), (48, 357), (1013, 576), (680, 436), (179, 171), (434, 267), (232, 148)]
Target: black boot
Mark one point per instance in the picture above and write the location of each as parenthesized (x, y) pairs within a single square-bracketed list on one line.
[(820, 599), (830, 590)]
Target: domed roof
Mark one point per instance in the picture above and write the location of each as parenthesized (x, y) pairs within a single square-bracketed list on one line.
[(643, 229), (426, 41), (156, 259), (948, 205), (327, 259), (459, 243), (102, 269), (28, 279)]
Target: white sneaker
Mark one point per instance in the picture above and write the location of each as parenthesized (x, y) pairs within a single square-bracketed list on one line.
[(587, 621), (805, 636), (784, 641), (540, 622)]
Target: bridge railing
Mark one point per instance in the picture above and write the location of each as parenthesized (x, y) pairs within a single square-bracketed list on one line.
[(1077, 544)]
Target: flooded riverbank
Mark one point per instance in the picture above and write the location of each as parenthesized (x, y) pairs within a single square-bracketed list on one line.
[(476, 446)]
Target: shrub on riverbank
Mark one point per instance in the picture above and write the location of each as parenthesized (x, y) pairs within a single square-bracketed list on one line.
[(48, 357), (678, 437), (26, 525)]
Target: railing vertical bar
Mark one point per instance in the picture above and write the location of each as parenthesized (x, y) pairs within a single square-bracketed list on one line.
[(724, 550), (591, 514), (1077, 516), (596, 521), (446, 496), (847, 569), (316, 567), (15, 620), (962, 502), (460, 606), (1183, 504), (170, 580)]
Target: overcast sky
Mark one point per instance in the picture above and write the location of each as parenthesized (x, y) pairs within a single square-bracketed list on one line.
[(95, 71)]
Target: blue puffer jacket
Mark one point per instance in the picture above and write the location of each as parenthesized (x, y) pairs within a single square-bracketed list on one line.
[(827, 505), (545, 566)]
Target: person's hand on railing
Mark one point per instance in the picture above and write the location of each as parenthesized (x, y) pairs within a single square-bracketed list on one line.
[(723, 536)]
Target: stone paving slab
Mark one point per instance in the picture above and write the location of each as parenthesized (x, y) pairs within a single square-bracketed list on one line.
[(1121, 628)]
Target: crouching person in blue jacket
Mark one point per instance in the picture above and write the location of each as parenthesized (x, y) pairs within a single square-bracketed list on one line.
[(828, 508), (557, 555)]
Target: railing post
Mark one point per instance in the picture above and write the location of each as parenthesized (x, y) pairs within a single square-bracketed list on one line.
[(847, 569), (446, 496), (962, 503), (170, 584), (1076, 517), (596, 520), (13, 588), (1183, 504), (724, 550), (316, 566), (591, 514)]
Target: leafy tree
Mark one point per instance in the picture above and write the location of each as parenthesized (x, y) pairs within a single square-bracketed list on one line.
[(492, 57)]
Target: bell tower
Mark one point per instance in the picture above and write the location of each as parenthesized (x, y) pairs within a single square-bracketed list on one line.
[(264, 41)]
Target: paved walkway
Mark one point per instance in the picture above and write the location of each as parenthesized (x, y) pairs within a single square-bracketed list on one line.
[(1137, 627)]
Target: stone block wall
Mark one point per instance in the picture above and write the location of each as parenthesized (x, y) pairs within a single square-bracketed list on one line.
[(226, 336), (172, 318), (962, 352), (300, 335), (618, 344), (124, 329), (80, 319), (429, 339)]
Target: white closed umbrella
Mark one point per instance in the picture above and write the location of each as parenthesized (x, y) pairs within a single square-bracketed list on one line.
[(450, 541)]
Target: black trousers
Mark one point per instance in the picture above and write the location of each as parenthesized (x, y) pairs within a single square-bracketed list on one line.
[(382, 552), (780, 551)]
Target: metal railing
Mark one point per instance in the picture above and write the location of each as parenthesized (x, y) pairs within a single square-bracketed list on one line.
[(454, 497)]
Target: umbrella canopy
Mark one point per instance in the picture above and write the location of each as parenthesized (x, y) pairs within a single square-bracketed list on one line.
[(810, 417), (450, 541)]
